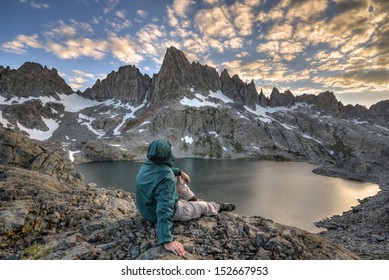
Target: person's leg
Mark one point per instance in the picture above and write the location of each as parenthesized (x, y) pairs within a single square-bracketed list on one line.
[(188, 210)]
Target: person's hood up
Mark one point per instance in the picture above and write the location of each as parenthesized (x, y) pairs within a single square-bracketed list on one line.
[(160, 151)]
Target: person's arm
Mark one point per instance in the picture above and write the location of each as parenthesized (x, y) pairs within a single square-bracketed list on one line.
[(165, 196), (185, 177)]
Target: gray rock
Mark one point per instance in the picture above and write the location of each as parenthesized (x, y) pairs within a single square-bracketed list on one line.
[(127, 85), (31, 79), (50, 219)]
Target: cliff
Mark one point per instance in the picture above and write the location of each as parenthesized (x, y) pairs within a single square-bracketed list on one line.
[(45, 216)]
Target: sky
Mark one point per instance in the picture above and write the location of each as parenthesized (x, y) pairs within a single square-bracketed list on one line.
[(306, 46)]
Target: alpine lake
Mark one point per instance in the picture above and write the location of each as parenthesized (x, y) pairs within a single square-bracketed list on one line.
[(286, 192)]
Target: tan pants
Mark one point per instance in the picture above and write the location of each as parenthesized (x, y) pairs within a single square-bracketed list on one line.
[(189, 210)]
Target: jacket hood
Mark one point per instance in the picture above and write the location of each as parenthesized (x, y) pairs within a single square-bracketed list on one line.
[(160, 151)]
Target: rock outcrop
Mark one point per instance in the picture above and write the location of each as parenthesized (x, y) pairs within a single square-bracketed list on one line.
[(31, 80), (127, 85), (278, 99), (18, 151), (44, 216)]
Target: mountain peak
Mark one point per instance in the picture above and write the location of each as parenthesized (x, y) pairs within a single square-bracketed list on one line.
[(127, 84), (32, 79), (174, 58)]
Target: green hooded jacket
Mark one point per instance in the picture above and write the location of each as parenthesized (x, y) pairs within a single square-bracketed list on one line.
[(156, 194)]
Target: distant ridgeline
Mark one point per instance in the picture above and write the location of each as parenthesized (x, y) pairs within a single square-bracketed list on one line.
[(202, 113)]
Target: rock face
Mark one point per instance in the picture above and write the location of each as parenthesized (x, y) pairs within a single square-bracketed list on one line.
[(278, 99), (178, 77), (127, 85), (31, 79), (43, 216), (19, 151)]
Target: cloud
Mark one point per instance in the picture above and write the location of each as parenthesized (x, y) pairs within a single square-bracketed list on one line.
[(181, 7), (142, 13), (36, 5), (234, 43), (77, 80), (275, 14), (83, 74), (252, 3), (215, 22), (121, 14), (281, 49), (149, 38), (212, 2), (356, 81), (20, 44), (195, 44), (282, 31), (79, 47), (73, 28), (111, 5), (39, 5), (173, 21), (306, 9), (118, 24), (124, 49), (244, 18), (243, 54), (372, 79)]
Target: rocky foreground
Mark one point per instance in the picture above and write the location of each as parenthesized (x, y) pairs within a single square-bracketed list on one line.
[(365, 228), (47, 212)]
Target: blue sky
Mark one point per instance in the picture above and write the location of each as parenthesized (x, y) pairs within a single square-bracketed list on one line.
[(307, 46)]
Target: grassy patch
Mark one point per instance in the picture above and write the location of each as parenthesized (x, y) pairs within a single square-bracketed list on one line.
[(38, 251)]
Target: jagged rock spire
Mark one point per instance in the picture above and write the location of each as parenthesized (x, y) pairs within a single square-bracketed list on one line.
[(127, 84)]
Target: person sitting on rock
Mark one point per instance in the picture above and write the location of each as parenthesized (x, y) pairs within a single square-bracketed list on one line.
[(163, 195)]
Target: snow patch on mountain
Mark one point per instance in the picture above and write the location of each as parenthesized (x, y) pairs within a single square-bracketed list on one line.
[(87, 121), (203, 101), (40, 135)]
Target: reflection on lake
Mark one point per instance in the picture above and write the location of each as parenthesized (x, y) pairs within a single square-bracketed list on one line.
[(286, 192)]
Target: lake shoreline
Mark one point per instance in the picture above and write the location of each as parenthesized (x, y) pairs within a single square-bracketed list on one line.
[(47, 212), (365, 228), (367, 237)]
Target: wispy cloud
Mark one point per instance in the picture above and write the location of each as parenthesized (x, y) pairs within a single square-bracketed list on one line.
[(243, 18), (39, 5), (215, 22), (142, 13), (181, 7), (83, 74), (78, 47), (20, 44), (110, 6), (36, 5)]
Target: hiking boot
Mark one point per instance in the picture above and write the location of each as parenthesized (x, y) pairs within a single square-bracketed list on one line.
[(226, 207)]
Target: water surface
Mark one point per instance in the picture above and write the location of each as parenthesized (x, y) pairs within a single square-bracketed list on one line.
[(286, 192)]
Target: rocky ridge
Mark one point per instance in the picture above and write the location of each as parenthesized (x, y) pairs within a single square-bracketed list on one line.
[(121, 113), (31, 79), (46, 216)]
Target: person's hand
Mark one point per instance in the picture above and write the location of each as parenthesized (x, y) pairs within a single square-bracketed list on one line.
[(185, 177), (175, 247)]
